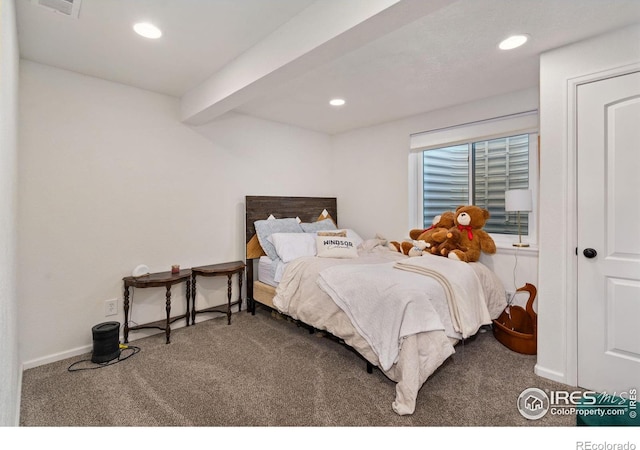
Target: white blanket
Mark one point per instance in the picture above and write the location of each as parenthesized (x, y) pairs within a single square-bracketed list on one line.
[(386, 305), (299, 296), (465, 294)]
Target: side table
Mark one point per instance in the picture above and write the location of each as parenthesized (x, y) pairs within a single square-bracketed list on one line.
[(166, 279), (214, 270)]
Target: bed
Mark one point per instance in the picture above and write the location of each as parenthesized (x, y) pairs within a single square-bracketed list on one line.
[(403, 315)]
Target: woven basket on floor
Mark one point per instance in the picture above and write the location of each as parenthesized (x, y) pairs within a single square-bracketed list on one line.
[(517, 327)]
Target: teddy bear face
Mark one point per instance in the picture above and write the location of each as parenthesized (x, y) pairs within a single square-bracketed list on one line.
[(464, 218), (472, 216)]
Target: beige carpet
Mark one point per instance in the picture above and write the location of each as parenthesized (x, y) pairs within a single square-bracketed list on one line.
[(265, 371)]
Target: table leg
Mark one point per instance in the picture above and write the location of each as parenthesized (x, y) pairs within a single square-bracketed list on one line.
[(188, 315), (168, 308), (240, 290), (193, 299), (229, 299), (126, 314)]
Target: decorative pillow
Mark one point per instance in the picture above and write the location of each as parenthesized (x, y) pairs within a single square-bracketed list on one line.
[(321, 225), (290, 246), (357, 240), (355, 236), (265, 228), (339, 233), (336, 247)]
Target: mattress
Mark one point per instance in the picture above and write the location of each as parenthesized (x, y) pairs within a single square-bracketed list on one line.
[(270, 271)]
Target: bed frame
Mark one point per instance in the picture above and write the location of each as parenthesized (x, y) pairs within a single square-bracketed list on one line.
[(307, 209)]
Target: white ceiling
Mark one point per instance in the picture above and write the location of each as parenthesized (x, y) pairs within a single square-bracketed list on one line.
[(283, 60)]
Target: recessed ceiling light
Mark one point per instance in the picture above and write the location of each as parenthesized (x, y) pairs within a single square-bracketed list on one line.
[(513, 41), (147, 30), (337, 102)]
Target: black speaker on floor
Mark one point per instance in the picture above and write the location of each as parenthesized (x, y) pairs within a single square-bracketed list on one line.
[(106, 345)]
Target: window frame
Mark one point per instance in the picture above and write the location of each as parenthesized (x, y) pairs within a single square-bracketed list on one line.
[(522, 123)]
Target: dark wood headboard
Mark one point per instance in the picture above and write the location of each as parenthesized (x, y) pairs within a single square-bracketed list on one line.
[(308, 209)]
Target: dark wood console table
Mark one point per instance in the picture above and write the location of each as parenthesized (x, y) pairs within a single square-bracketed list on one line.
[(214, 270), (166, 279)]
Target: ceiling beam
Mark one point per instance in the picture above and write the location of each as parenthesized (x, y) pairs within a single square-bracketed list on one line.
[(321, 33)]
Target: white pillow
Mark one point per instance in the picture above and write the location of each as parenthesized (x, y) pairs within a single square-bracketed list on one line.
[(336, 247), (290, 246), (265, 228)]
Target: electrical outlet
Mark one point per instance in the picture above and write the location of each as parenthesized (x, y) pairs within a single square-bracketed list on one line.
[(111, 307)]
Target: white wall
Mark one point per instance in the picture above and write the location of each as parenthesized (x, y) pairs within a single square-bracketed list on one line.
[(109, 179), (560, 71), (371, 169), (10, 373)]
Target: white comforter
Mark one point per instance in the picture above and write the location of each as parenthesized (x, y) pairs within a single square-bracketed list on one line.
[(299, 296), (388, 302), (462, 288)]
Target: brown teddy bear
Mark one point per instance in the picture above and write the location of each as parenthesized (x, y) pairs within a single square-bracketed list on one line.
[(469, 220), (445, 220), (452, 242), (432, 236)]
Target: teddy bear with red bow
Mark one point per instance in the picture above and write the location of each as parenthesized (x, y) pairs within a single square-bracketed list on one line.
[(469, 221)]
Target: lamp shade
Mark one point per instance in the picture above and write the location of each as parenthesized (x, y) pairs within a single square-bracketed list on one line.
[(517, 200)]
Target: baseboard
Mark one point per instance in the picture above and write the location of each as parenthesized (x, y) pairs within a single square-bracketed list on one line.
[(138, 334), (550, 374), (56, 357)]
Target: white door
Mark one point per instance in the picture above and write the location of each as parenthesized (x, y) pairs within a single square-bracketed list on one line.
[(608, 144)]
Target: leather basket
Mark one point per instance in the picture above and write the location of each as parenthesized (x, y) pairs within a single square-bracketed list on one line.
[(517, 328)]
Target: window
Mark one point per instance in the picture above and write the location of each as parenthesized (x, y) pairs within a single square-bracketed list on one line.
[(477, 173), (477, 170)]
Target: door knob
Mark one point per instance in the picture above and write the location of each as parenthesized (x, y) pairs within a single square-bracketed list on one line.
[(589, 252)]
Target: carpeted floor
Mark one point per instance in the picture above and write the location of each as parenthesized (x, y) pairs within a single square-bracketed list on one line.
[(263, 370)]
